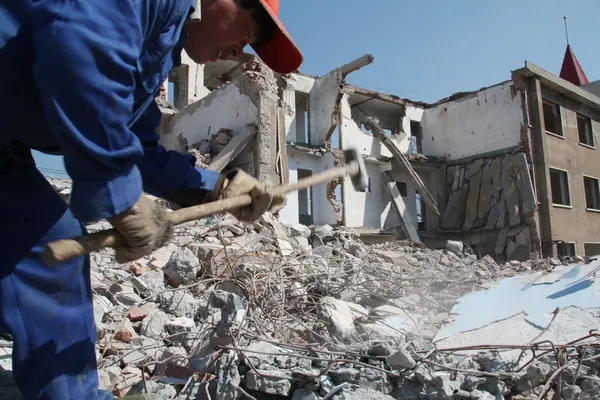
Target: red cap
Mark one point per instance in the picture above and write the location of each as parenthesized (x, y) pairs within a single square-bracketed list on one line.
[(280, 53)]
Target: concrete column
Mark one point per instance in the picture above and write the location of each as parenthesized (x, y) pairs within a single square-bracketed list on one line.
[(542, 178)]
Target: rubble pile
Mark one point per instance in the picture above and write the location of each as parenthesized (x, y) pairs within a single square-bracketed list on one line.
[(207, 149), (263, 311)]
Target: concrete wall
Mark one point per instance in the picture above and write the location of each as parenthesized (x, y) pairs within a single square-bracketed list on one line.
[(196, 88), (483, 122), (193, 80), (322, 211), (374, 208), (296, 86), (593, 87), (223, 108), (491, 194), (352, 136), (574, 223)]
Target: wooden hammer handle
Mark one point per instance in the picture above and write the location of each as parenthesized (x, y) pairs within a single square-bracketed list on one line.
[(66, 249)]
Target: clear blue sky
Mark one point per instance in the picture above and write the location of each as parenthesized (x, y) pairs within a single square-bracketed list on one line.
[(428, 49)]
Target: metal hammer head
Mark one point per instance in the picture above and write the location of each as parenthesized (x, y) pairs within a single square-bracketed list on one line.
[(358, 173)]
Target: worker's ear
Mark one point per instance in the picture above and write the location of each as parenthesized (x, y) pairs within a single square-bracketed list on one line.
[(195, 16)]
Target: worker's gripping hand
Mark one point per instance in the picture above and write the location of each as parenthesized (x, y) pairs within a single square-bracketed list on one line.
[(145, 227), (239, 183)]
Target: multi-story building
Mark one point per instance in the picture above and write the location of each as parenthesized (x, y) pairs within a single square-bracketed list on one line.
[(510, 169)]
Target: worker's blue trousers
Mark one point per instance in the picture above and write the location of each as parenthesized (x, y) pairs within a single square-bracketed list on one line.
[(47, 310)]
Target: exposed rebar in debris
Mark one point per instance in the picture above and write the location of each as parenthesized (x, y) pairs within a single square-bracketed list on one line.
[(228, 310)]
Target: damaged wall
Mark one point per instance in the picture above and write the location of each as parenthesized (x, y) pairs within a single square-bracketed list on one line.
[(482, 122), (295, 91), (187, 83), (352, 136), (320, 209), (251, 99), (224, 108), (491, 194), (374, 208)]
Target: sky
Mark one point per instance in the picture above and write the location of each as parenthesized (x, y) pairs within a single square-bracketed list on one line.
[(428, 49)]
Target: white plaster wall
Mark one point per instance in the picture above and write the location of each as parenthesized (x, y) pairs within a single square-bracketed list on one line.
[(289, 108), (354, 137), (375, 209), (196, 88), (295, 83), (392, 219), (223, 108), (487, 121), (301, 83), (322, 210), (322, 102)]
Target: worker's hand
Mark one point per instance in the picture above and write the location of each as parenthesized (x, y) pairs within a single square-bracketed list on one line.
[(239, 183), (145, 227)]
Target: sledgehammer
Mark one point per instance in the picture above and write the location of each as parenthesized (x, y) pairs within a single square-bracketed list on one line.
[(66, 249)]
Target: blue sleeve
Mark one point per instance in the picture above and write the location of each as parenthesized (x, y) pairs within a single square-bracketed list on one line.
[(168, 171), (86, 55)]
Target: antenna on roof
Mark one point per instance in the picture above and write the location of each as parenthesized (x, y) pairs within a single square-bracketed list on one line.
[(566, 29)]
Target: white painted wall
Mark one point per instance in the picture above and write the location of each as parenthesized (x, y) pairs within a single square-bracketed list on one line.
[(487, 121), (223, 108), (301, 83), (196, 88), (322, 210), (354, 137), (375, 209)]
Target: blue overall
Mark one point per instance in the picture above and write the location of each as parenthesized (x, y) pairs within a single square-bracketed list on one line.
[(79, 78)]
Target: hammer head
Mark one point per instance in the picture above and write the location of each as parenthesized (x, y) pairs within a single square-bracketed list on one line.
[(359, 176)]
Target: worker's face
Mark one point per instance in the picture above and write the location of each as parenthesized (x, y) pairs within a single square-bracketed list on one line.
[(223, 31)]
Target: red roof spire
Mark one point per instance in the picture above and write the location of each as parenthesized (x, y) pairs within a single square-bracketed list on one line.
[(571, 69)]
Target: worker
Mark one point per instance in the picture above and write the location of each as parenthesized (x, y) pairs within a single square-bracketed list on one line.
[(80, 78)]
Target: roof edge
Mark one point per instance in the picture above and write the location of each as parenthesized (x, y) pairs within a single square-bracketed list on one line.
[(530, 69)]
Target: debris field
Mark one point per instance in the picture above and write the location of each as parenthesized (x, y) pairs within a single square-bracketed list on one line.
[(264, 311)]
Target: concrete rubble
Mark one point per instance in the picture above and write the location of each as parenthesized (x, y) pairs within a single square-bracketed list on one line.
[(235, 311)]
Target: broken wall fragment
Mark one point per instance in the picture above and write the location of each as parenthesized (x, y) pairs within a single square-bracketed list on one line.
[(493, 193)]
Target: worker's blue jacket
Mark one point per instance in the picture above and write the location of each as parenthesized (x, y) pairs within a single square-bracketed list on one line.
[(79, 78)]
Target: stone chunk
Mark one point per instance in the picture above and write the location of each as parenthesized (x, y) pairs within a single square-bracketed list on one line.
[(139, 313), (182, 267), (454, 246), (362, 394), (153, 325), (228, 377), (125, 332), (269, 381), (299, 230), (339, 318), (401, 359), (178, 303), (162, 391)]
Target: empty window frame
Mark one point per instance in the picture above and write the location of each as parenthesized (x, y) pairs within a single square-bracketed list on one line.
[(591, 187), (302, 118), (416, 139), (584, 128), (402, 188), (552, 120), (305, 216), (591, 249), (565, 249), (559, 185)]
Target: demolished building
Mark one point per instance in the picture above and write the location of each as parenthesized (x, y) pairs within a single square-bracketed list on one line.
[(509, 169)]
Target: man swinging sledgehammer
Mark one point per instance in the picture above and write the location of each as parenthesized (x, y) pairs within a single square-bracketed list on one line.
[(79, 79)]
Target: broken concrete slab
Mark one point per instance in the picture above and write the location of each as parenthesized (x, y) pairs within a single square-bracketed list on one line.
[(526, 308)]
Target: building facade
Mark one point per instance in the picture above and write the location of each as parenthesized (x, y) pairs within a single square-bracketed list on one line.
[(511, 169)]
